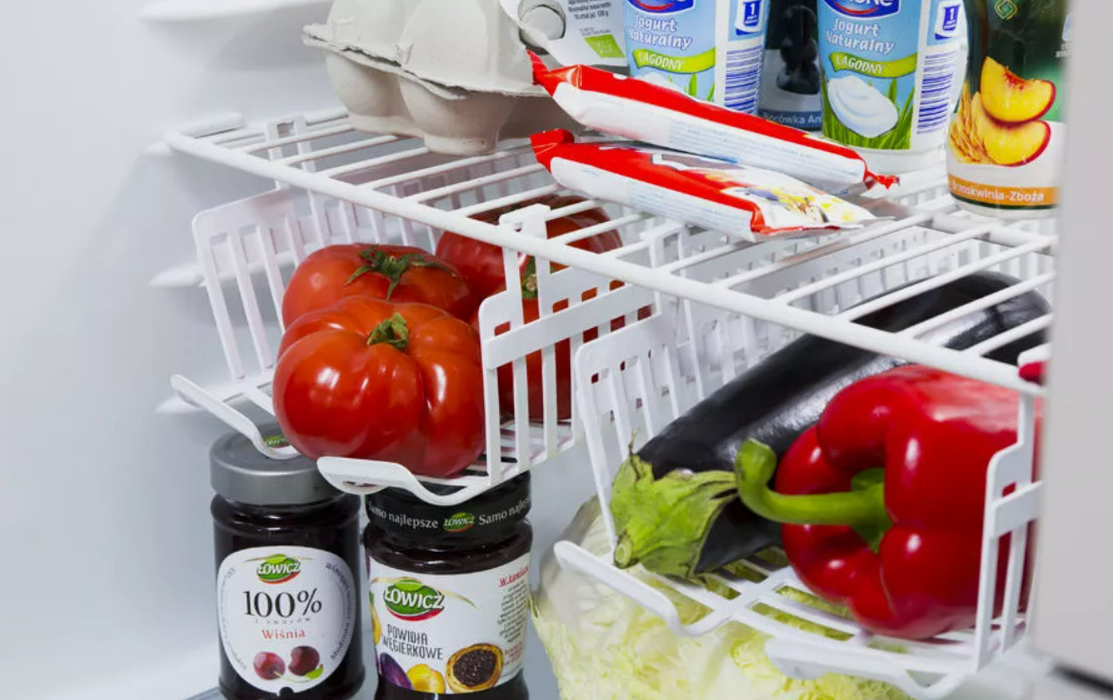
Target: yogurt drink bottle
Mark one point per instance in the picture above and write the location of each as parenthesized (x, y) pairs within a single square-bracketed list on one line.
[(1005, 150), (709, 49), (890, 75)]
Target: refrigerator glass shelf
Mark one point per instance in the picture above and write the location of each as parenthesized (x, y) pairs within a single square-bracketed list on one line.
[(395, 176)]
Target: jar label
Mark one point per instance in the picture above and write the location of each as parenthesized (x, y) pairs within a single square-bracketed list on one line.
[(449, 633), (286, 615)]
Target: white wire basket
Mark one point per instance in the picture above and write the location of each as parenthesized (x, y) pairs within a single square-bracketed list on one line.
[(323, 154), (634, 382), (721, 306), (248, 249)]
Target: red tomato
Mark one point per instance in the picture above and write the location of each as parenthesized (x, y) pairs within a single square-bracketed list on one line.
[(376, 380), (563, 358), (536, 399), (481, 263), (392, 272)]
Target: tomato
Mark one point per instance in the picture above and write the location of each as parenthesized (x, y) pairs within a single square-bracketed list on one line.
[(372, 379), (481, 263), (391, 272), (562, 357), (536, 399)]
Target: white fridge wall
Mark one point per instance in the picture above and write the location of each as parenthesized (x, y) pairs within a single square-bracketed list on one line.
[(1074, 610), (103, 503)]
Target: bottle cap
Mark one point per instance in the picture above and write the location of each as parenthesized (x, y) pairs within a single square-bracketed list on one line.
[(241, 474)]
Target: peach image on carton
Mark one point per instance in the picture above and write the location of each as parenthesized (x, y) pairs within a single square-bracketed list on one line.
[(1000, 124)]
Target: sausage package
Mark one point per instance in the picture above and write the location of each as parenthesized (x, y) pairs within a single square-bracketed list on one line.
[(746, 202), (658, 115)]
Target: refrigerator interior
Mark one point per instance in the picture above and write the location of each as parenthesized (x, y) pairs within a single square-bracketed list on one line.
[(114, 537)]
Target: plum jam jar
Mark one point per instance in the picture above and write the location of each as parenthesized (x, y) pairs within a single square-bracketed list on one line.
[(287, 583), (449, 590)]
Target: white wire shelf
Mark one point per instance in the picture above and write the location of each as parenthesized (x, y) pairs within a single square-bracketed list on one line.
[(633, 383), (246, 252), (721, 305), (323, 154)]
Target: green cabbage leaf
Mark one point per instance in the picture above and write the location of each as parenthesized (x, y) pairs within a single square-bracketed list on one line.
[(604, 647)]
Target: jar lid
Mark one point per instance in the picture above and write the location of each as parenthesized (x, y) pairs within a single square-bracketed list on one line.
[(400, 512), (240, 473)]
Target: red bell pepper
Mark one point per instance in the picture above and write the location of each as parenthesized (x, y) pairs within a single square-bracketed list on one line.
[(883, 500)]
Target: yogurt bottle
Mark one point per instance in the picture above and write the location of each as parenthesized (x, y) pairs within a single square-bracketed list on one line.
[(1005, 152), (891, 71), (709, 49), (790, 72)]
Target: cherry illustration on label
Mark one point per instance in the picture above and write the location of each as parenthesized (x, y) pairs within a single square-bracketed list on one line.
[(303, 660), (269, 666)]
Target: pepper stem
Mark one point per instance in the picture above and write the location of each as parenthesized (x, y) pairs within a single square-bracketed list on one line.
[(392, 332), (392, 267), (862, 508)]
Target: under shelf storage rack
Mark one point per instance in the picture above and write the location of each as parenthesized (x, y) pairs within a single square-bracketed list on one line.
[(721, 304)]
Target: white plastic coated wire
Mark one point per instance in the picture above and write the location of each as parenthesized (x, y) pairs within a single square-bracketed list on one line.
[(721, 306), (246, 252), (376, 176)]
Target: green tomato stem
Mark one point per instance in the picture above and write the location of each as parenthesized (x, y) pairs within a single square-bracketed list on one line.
[(392, 332), (393, 267)]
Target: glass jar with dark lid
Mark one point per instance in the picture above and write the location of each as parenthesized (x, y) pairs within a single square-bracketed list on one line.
[(287, 552), (449, 589)]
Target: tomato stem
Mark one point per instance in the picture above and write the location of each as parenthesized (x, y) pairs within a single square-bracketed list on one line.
[(529, 279), (392, 332), (393, 267)]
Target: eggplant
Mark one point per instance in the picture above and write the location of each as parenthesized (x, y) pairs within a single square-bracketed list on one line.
[(675, 507)]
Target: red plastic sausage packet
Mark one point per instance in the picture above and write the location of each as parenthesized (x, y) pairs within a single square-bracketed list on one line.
[(661, 116), (746, 202)]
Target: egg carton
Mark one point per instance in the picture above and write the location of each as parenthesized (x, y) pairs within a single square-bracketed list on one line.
[(453, 72)]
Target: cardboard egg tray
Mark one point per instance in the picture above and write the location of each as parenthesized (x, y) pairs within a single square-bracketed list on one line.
[(453, 72)]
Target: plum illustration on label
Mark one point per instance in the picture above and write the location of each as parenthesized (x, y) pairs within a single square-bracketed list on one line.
[(450, 633), (285, 616), (890, 76), (1006, 143)]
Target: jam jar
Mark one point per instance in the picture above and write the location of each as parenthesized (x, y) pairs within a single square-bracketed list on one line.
[(449, 590), (287, 558)]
